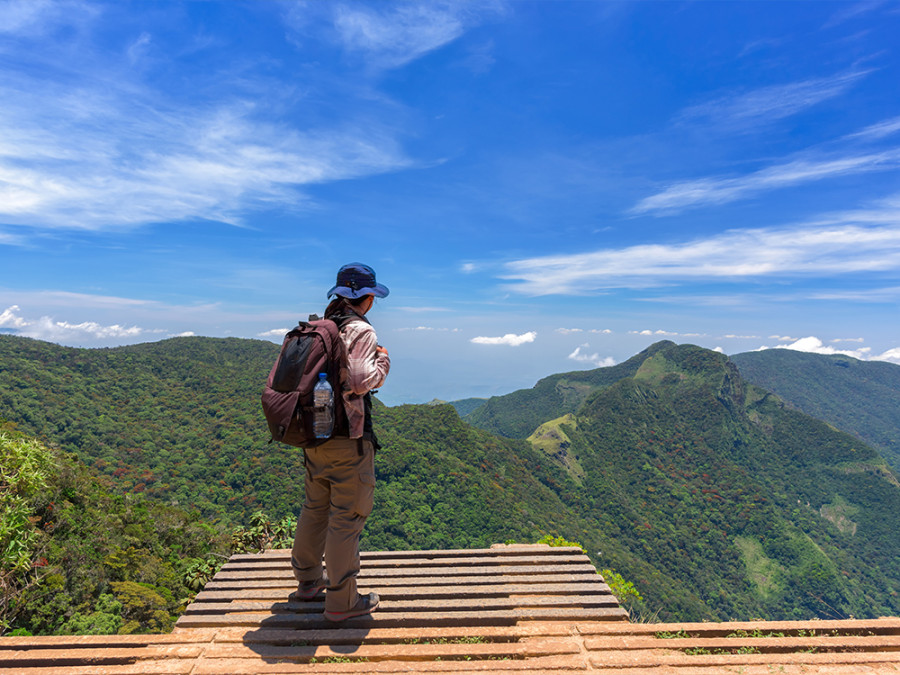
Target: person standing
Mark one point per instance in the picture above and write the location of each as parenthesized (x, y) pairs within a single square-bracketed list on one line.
[(340, 473)]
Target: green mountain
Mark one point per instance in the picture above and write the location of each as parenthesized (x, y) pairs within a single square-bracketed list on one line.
[(759, 509), (517, 414), (715, 499), (859, 397)]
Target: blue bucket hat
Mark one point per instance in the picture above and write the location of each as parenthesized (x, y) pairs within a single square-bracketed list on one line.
[(356, 280)]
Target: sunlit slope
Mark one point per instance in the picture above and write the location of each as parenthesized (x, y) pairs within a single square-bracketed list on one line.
[(859, 397)]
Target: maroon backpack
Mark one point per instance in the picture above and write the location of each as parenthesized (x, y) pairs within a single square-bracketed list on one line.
[(313, 347)]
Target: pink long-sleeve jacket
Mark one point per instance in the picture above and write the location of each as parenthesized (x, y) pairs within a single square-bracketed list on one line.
[(367, 369)]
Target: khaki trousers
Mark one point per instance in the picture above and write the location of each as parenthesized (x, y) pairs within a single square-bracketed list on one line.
[(339, 496)]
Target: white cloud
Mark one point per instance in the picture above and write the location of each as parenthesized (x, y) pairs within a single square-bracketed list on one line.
[(394, 34), (418, 329), (509, 339), (783, 338), (818, 250), (46, 328), (851, 10), (878, 130), (10, 318), (889, 294), (426, 329), (139, 47), (741, 337), (595, 358), (569, 331), (187, 333), (891, 355), (34, 16), (814, 345), (275, 333), (86, 145), (746, 111), (706, 191), (647, 331), (9, 239), (602, 331)]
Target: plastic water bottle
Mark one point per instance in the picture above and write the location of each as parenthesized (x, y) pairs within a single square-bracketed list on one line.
[(323, 400)]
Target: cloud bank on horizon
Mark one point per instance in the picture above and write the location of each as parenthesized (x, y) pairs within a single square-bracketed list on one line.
[(549, 178)]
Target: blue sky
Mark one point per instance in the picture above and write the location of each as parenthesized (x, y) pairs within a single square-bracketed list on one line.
[(544, 186)]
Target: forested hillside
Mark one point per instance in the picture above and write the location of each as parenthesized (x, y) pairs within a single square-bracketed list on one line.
[(179, 419), (77, 557), (758, 509), (859, 397), (709, 494)]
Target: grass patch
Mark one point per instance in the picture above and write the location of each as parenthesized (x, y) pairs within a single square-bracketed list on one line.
[(762, 571)]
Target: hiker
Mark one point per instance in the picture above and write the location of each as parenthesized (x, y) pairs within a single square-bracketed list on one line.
[(340, 473)]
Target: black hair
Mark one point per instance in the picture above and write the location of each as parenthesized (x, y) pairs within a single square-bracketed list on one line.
[(340, 305)]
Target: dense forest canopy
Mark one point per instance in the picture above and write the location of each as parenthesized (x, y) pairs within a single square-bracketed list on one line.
[(77, 557), (708, 493)]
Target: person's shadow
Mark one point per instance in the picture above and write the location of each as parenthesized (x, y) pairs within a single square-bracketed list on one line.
[(297, 631)]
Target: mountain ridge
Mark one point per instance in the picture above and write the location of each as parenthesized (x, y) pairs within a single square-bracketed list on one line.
[(554, 396), (859, 397)]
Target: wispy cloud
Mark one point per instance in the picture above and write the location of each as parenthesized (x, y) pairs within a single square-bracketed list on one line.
[(852, 10), (746, 111), (36, 16), (713, 191), (879, 130), (391, 35), (396, 34), (428, 329), (807, 252), (91, 140), (665, 333), (510, 339), (888, 295), (60, 168)]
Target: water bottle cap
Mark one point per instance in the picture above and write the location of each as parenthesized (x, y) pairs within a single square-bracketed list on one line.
[(322, 376)]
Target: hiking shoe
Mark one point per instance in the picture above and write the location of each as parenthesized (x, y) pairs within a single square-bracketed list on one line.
[(309, 590), (365, 604)]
